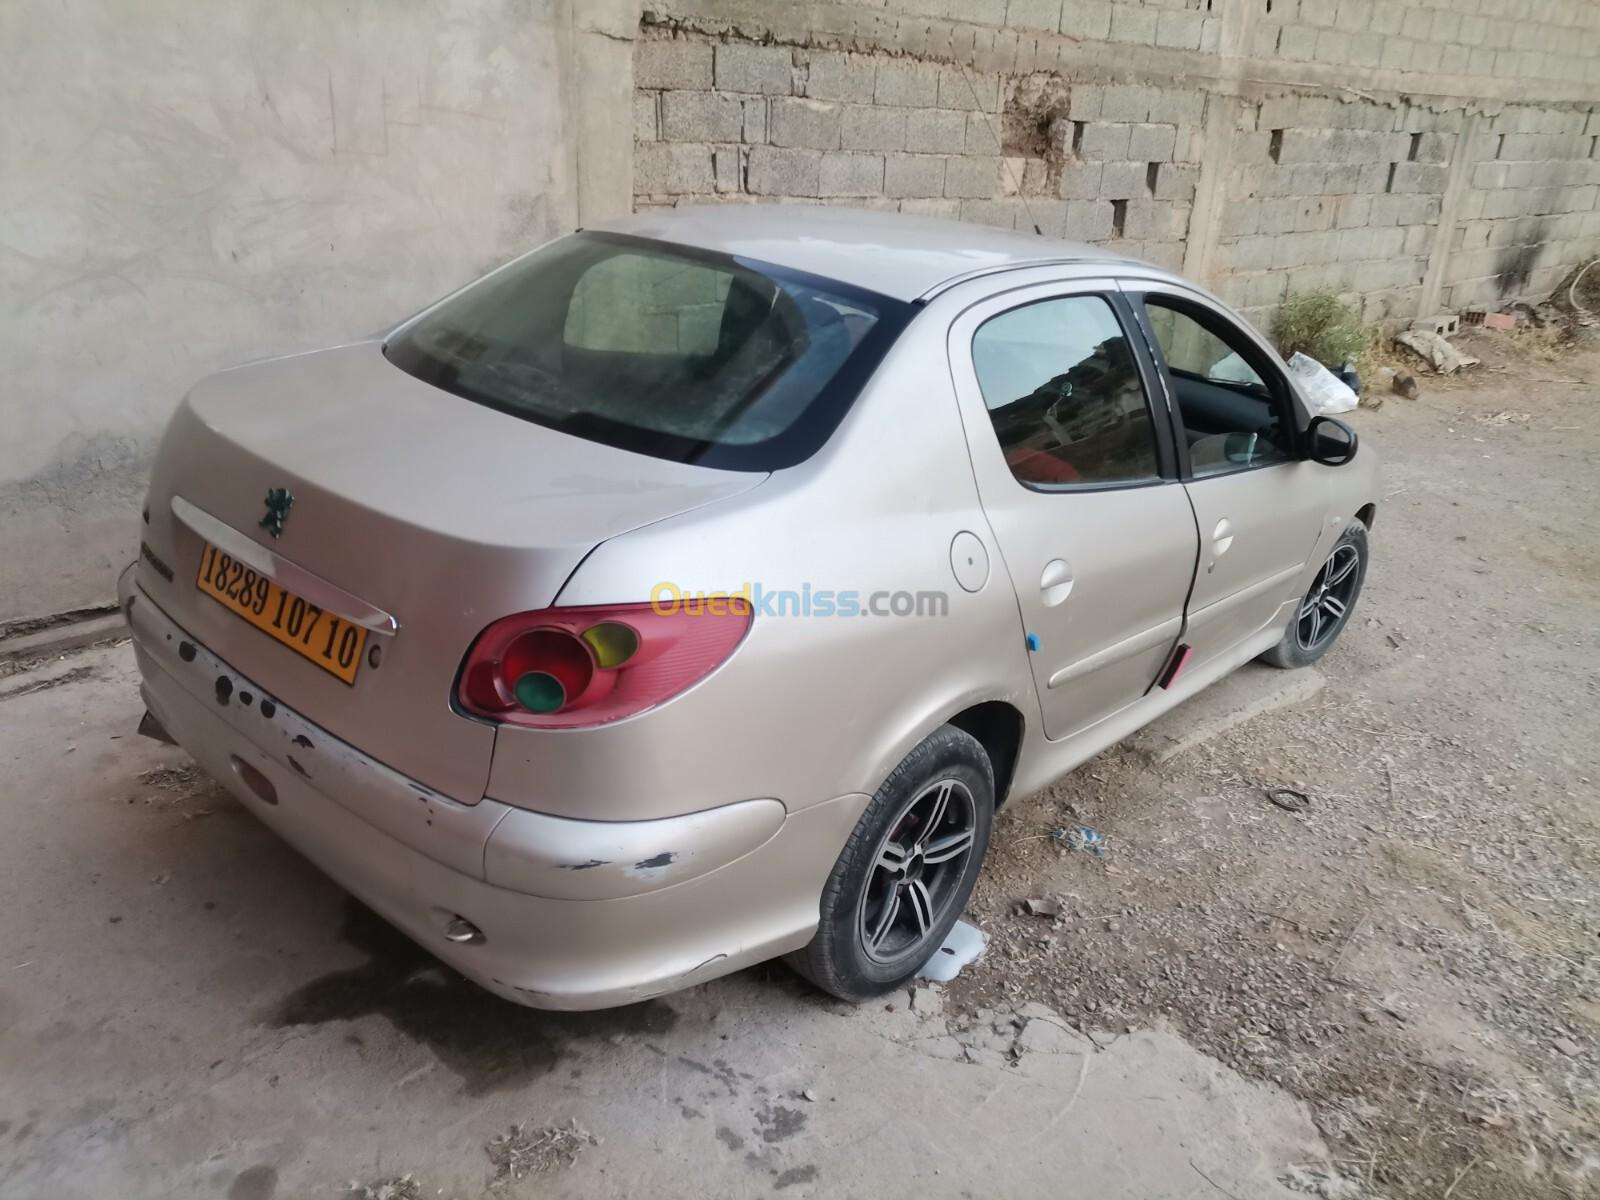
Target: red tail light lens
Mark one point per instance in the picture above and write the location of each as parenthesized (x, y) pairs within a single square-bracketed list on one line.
[(561, 668)]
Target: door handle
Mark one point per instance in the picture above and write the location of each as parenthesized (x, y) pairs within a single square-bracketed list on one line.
[(1055, 583), (1222, 536)]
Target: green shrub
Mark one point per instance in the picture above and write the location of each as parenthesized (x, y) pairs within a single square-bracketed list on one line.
[(1322, 326)]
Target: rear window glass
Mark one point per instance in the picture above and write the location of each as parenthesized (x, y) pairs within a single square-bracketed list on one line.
[(659, 349)]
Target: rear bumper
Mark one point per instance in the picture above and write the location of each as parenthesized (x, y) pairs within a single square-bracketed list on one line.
[(574, 914)]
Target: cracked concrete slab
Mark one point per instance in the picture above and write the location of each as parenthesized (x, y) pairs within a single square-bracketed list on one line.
[(188, 1009)]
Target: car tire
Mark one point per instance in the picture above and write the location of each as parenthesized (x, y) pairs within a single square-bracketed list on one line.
[(891, 898), (1325, 610)]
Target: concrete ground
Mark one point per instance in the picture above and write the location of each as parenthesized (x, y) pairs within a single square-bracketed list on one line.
[(187, 1008), (1393, 993)]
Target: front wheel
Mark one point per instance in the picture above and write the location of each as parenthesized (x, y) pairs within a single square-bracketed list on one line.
[(907, 871), (1325, 609)]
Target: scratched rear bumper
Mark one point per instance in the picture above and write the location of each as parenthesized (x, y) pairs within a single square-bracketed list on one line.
[(575, 914)]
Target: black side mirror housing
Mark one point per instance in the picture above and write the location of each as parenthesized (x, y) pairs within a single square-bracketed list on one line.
[(1332, 443)]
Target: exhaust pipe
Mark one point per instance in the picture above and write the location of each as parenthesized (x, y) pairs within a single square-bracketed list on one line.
[(151, 728)]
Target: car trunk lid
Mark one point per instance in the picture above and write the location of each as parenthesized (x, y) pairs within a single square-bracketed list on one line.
[(439, 512)]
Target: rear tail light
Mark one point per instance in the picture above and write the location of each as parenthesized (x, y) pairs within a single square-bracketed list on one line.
[(561, 668)]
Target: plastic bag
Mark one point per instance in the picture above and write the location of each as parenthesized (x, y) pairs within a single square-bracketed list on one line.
[(1324, 391)]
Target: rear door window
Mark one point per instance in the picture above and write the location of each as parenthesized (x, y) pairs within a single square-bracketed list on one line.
[(661, 349), (1062, 387)]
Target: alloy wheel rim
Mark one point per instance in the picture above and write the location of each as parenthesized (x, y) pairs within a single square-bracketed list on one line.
[(1327, 603), (917, 871)]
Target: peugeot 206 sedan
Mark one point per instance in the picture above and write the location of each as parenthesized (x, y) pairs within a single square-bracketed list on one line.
[(692, 591)]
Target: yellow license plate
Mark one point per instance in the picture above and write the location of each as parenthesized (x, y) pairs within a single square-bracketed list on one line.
[(331, 642)]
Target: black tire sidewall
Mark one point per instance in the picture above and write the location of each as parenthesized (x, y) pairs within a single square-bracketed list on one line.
[(836, 960), (1289, 652)]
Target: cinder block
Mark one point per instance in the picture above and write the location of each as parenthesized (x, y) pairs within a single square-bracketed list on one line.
[(701, 117), (729, 177), (1123, 181), (1420, 177), (833, 76), (1167, 255), (805, 124), (999, 213), (845, 174), (1342, 179), (1175, 107), (774, 172), (1178, 29), (1353, 16), (1080, 181), (1102, 142), (1254, 254), (1298, 43), (1366, 49), (907, 84), (935, 130), (1177, 181), (1240, 219), (1353, 212), (1418, 240), (931, 207), (1333, 46), (1435, 147), (670, 169), (1088, 220), (982, 134), (1279, 215), (873, 127), (672, 63), (1126, 102), (913, 175), (1152, 143), (1150, 220), (1085, 102), (1265, 289), (768, 70), (644, 117), (1086, 19), (1397, 53), (972, 177), (755, 119), (1130, 24), (967, 89), (1455, 59), (1039, 15)]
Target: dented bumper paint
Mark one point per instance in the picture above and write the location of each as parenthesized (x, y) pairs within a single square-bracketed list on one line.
[(575, 914)]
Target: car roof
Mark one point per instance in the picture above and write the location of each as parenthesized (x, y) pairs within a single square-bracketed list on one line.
[(890, 253)]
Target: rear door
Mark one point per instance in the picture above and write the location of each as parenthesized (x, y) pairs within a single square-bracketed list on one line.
[(1237, 436), (1078, 480)]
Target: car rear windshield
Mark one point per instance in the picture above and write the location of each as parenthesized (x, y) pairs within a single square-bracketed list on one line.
[(660, 349)]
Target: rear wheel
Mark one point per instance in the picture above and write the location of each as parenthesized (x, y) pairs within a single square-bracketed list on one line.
[(906, 872), (1325, 609)]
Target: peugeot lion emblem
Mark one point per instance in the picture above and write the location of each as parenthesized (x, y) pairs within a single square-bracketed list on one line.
[(279, 502)]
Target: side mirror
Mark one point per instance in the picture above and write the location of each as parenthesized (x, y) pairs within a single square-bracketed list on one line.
[(1333, 443)]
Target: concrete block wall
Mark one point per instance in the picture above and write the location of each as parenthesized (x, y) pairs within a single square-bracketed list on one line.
[(1111, 164), (1528, 210), (1409, 153), (1327, 193)]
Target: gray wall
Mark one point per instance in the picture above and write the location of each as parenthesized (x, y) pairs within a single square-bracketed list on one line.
[(1417, 154), (187, 185), (184, 186)]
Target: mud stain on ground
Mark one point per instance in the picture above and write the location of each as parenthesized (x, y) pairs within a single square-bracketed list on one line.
[(489, 1043)]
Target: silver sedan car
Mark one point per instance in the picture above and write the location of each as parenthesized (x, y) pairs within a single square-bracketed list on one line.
[(693, 591)]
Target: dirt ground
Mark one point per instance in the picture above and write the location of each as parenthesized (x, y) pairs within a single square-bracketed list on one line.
[(1415, 955), (1393, 993)]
